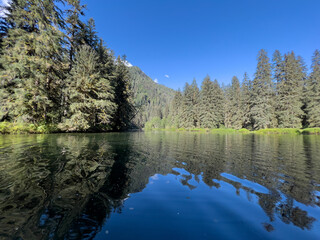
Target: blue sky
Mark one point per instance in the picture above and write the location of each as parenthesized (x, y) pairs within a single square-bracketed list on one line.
[(188, 39)]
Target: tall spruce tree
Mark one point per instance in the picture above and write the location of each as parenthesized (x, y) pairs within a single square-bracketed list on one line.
[(277, 67), (32, 61), (263, 95), (176, 109), (313, 87), (190, 116), (227, 107), (246, 103), (218, 101), (290, 92), (124, 111), (74, 27), (233, 109), (187, 105), (206, 104), (90, 94), (195, 103)]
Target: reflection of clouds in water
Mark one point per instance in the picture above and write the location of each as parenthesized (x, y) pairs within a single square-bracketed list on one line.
[(93, 178), (246, 183), (155, 177)]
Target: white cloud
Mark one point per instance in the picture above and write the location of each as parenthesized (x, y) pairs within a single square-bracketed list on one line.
[(127, 64), (4, 3), (155, 177), (156, 80), (167, 76)]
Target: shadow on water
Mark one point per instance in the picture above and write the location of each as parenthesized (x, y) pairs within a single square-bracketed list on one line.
[(67, 186)]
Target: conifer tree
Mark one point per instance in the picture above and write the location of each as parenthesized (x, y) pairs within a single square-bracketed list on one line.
[(227, 107), (290, 92), (195, 102), (88, 35), (206, 104), (32, 61), (190, 115), (313, 103), (90, 95), (246, 102), (218, 100), (263, 95), (176, 109), (74, 27), (277, 67), (124, 111), (233, 107)]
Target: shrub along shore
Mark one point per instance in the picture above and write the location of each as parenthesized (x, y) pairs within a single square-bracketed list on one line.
[(306, 131), (24, 128)]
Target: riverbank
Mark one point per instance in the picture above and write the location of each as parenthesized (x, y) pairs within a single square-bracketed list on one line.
[(24, 128), (27, 128), (305, 131)]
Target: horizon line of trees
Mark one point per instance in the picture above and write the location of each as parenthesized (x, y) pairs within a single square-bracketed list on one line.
[(54, 69), (281, 95)]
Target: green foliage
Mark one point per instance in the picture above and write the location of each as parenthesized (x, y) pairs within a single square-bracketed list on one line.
[(90, 96), (190, 105), (32, 60), (278, 131), (310, 131), (313, 92), (150, 99), (263, 97), (124, 111), (176, 109), (290, 81), (210, 104), (24, 128), (233, 107), (157, 123), (246, 103), (279, 97), (56, 71)]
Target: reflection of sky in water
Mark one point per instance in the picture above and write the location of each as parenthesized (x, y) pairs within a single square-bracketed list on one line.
[(164, 210), (159, 186)]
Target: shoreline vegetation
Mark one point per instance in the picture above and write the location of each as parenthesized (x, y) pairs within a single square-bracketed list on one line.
[(24, 128), (58, 75), (306, 131)]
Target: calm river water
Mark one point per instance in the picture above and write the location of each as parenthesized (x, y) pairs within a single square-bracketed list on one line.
[(159, 186)]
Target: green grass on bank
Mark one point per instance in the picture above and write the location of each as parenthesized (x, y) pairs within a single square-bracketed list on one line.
[(309, 131), (24, 128), (306, 131), (279, 131)]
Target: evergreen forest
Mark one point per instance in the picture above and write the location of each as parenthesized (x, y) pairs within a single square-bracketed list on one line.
[(57, 74), (282, 94)]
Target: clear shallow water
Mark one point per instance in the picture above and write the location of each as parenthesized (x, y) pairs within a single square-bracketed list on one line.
[(159, 186)]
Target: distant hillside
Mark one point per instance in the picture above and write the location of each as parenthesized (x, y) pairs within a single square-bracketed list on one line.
[(151, 99)]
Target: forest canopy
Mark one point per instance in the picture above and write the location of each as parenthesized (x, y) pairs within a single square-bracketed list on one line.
[(281, 95), (55, 69)]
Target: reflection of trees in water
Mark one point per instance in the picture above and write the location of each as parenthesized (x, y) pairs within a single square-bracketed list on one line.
[(66, 186), (279, 163), (50, 183)]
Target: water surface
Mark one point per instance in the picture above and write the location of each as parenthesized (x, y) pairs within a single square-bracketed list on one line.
[(159, 186)]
